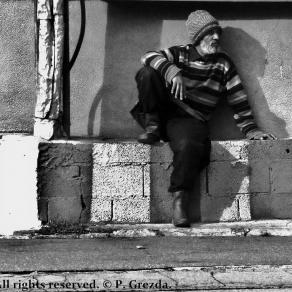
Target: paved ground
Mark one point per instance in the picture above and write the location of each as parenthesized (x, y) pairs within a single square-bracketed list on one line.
[(152, 263), (141, 253)]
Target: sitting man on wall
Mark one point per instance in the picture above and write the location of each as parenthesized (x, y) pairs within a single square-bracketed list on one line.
[(179, 88)]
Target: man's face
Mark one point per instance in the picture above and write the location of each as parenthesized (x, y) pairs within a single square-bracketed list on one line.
[(209, 44)]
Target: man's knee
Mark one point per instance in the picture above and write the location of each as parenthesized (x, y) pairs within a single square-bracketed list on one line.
[(145, 73)]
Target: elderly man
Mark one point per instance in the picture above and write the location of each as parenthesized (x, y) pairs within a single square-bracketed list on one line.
[(179, 88)]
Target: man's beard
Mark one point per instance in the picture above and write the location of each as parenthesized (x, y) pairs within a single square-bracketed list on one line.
[(210, 48)]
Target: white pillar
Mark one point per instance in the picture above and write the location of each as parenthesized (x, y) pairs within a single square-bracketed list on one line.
[(18, 192)]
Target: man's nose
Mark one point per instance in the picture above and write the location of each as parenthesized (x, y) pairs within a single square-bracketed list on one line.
[(216, 36)]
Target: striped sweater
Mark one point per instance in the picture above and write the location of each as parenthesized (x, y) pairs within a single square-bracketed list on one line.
[(207, 80)]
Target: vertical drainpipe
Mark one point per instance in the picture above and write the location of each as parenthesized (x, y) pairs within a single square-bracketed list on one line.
[(50, 50)]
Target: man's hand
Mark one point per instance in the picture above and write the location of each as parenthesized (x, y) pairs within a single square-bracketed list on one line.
[(259, 135), (178, 87)]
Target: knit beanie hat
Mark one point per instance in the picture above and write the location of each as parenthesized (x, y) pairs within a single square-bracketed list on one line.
[(199, 23)]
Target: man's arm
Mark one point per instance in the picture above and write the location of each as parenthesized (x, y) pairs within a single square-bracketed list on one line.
[(237, 98), (166, 63), (163, 61)]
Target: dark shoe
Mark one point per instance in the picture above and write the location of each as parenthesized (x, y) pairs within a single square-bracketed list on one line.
[(148, 138), (152, 130), (180, 204)]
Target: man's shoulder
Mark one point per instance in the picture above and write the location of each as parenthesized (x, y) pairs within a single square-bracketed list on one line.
[(180, 47), (224, 58)]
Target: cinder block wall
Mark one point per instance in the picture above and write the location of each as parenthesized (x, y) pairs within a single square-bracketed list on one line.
[(127, 182)]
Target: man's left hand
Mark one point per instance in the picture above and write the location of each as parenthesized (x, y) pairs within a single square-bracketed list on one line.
[(259, 135)]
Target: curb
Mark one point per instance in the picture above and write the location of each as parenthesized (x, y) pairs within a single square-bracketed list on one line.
[(248, 228), (168, 279)]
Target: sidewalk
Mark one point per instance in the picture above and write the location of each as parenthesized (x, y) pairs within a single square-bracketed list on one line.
[(152, 263)]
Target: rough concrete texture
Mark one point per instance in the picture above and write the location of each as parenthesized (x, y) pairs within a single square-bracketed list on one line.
[(223, 208), (131, 210), (17, 61), (65, 181), (281, 177), (18, 173), (230, 150), (101, 210), (122, 152), (200, 278), (257, 36), (121, 179), (127, 181), (117, 181), (228, 178)]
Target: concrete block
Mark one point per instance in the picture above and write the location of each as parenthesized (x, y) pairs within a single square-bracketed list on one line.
[(259, 176), (161, 153), (117, 181), (58, 183), (86, 188), (81, 152), (244, 207), (281, 177), (64, 210), (54, 153), (281, 206), (260, 206), (228, 178), (113, 153), (86, 173), (85, 215), (229, 150), (276, 206), (146, 181), (71, 171), (131, 210), (214, 209), (101, 210), (161, 199), (270, 149)]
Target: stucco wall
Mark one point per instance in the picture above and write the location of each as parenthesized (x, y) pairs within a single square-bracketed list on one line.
[(17, 59), (102, 89)]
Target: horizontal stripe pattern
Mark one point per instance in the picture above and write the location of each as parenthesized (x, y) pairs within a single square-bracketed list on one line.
[(206, 80)]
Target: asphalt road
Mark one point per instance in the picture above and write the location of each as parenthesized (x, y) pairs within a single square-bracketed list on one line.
[(158, 252)]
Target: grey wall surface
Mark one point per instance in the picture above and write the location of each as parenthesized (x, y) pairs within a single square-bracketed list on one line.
[(17, 59), (102, 89)]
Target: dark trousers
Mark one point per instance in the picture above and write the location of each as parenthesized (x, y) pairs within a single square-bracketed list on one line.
[(188, 137)]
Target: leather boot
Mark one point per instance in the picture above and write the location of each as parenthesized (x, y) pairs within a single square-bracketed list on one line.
[(152, 130), (180, 204)]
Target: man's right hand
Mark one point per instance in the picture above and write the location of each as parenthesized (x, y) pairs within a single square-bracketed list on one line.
[(178, 87)]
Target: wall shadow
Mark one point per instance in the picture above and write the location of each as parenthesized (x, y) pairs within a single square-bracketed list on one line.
[(250, 58), (216, 197), (130, 32), (132, 29)]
